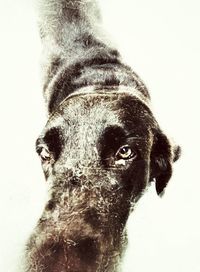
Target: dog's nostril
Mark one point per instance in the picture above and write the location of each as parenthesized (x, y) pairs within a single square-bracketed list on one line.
[(50, 205), (75, 180)]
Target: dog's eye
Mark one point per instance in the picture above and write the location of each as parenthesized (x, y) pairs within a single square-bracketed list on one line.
[(44, 153), (125, 153)]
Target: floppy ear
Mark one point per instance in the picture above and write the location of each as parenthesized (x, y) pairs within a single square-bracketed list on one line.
[(163, 154)]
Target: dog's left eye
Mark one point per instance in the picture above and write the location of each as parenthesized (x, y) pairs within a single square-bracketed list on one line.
[(125, 153), (44, 153)]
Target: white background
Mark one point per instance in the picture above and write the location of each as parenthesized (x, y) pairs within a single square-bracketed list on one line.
[(161, 41)]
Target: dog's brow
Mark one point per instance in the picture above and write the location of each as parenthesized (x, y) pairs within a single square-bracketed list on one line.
[(135, 137)]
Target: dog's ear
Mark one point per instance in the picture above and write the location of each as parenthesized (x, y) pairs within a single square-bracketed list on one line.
[(163, 154)]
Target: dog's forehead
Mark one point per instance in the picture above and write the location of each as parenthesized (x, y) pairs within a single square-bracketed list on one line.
[(85, 113), (96, 110), (91, 109)]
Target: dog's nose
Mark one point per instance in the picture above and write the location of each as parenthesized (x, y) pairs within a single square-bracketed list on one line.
[(76, 178)]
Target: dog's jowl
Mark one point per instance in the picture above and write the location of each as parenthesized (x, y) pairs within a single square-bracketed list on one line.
[(100, 149)]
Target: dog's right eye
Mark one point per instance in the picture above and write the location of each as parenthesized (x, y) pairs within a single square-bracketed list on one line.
[(125, 153), (44, 153)]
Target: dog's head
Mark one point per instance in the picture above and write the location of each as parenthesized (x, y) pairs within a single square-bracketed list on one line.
[(99, 152)]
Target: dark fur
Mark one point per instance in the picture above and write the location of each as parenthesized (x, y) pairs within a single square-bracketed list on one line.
[(91, 193)]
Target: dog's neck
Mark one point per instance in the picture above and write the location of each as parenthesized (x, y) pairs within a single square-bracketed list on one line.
[(76, 53)]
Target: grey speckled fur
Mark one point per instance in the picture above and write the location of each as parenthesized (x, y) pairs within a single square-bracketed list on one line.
[(97, 109)]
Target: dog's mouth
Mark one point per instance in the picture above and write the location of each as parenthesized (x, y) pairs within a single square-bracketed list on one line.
[(85, 253), (78, 233), (64, 254)]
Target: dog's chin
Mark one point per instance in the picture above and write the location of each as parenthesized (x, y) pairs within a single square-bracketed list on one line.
[(80, 233), (77, 241), (65, 254)]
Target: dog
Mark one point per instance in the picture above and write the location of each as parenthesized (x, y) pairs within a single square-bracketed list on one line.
[(100, 148)]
